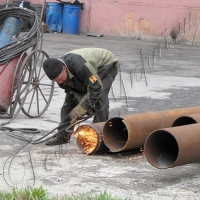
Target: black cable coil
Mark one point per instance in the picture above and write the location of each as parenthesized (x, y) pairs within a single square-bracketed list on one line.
[(31, 39)]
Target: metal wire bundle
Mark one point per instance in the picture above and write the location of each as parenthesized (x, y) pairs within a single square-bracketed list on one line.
[(31, 39)]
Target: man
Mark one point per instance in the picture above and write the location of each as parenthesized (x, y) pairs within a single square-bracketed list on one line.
[(86, 75)]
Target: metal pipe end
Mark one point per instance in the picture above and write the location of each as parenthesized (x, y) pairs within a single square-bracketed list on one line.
[(88, 138), (115, 134), (184, 120), (161, 149)]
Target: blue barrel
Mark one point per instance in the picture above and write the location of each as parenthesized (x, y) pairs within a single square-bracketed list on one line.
[(54, 15), (11, 26), (71, 18)]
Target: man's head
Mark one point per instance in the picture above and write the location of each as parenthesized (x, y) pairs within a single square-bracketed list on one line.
[(55, 70)]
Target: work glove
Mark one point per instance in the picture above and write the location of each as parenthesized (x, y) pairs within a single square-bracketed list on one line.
[(76, 113), (90, 112)]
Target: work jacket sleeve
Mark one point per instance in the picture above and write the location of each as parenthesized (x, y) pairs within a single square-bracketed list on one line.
[(93, 84)]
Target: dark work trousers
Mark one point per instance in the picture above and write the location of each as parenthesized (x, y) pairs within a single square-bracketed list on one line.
[(101, 107)]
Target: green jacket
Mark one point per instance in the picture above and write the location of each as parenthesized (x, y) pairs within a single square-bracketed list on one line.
[(86, 68)]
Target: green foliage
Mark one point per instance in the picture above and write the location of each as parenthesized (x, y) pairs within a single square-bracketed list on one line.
[(24, 194), (101, 196), (41, 194)]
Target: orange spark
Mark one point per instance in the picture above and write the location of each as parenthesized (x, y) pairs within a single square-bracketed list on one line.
[(86, 138)]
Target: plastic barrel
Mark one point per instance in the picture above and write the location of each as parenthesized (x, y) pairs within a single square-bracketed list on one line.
[(11, 26), (71, 18), (54, 15)]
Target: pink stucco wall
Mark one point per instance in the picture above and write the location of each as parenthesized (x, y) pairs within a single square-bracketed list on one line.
[(142, 18), (147, 19)]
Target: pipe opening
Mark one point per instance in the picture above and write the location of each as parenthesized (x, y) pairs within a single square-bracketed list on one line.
[(87, 138), (161, 149), (115, 134), (185, 120)]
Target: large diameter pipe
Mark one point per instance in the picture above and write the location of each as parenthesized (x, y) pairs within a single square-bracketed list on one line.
[(130, 131), (89, 138), (174, 146), (186, 120)]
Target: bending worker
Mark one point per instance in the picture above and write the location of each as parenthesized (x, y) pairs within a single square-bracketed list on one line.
[(86, 75)]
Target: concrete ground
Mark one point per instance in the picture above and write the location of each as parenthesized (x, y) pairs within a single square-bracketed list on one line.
[(156, 76)]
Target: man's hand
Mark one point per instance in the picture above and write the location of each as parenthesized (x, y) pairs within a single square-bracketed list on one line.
[(90, 112), (76, 113)]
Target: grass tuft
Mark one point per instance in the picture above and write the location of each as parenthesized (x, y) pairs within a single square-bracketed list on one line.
[(24, 194), (41, 194)]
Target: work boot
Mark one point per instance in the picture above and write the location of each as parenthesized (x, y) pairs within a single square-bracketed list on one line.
[(58, 141)]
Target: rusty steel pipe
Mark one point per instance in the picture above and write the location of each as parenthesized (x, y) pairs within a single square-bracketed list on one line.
[(186, 120), (174, 146), (99, 146), (130, 131)]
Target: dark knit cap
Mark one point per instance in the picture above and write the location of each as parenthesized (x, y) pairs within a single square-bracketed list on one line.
[(52, 67)]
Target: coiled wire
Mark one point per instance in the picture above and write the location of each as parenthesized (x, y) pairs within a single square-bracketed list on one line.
[(31, 39)]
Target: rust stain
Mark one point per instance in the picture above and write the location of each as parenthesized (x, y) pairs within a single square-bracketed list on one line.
[(128, 23), (144, 27), (137, 28), (189, 27)]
